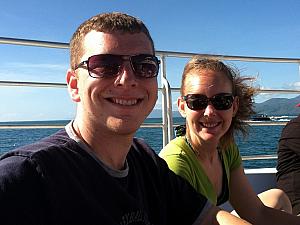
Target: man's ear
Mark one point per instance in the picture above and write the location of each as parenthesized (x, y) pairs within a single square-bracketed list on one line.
[(73, 88), (181, 106)]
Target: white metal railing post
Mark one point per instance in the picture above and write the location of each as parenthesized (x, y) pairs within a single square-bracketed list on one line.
[(32, 84), (164, 106), (169, 112), (36, 43)]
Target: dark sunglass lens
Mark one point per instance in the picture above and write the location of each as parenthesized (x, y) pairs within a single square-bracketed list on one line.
[(145, 66), (104, 65), (197, 102), (145, 70), (222, 102)]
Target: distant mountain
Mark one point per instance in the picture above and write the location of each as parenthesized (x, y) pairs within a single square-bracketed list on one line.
[(271, 107), (279, 106)]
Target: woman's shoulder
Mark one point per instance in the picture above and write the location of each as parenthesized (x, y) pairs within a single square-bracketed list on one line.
[(232, 156), (175, 146)]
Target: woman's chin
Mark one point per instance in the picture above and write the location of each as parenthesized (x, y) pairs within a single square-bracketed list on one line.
[(210, 137)]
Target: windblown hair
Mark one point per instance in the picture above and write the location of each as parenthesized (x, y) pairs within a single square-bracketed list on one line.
[(240, 88), (107, 23)]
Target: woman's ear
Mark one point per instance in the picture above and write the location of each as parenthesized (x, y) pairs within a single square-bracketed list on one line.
[(181, 106), (73, 88)]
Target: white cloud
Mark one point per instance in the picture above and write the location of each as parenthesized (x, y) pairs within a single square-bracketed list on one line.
[(16, 65), (16, 71), (295, 85)]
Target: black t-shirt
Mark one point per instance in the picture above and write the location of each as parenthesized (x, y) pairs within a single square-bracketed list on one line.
[(288, 163), (56, 181), (289, 148)]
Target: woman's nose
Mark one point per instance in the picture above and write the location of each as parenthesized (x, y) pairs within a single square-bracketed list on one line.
[(209, 110)]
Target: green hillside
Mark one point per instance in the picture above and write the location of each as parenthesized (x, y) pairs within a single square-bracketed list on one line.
[(279, 106)]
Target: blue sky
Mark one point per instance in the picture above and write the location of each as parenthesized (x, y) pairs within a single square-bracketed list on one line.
[(265, 28)]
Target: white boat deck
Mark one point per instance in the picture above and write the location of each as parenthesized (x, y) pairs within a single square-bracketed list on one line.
[(261, 180)]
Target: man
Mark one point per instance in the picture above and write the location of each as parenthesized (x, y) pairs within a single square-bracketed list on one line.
[(94, 171), (288, 166)]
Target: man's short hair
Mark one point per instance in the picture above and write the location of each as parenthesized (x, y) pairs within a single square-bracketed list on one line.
[(108, 23)]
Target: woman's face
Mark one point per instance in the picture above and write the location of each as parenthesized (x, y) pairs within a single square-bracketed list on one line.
[(208, 124)]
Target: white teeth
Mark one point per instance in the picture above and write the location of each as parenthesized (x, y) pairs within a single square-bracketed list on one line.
[(125, 102), (210, 124)]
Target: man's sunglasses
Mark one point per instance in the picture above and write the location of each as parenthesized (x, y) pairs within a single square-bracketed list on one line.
[(222, 101), (108, 65)]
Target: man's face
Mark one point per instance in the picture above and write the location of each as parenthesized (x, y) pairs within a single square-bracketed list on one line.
[(121, 103)]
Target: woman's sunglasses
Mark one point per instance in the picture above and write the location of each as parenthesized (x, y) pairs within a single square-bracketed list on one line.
[(222, 101), (108, 65)]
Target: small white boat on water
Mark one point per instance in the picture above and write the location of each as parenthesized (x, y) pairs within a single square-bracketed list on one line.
[(282, 118), (261, 117)]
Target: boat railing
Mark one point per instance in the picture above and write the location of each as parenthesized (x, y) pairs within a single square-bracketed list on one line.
[(166, 90)]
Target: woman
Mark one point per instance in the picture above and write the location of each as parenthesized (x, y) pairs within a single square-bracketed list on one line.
[(215, 101)]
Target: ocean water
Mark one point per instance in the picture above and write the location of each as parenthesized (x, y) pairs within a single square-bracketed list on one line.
[(262, 140)]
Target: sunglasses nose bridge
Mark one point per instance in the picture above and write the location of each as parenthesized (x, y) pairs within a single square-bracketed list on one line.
[(126, 75), (125, 59), (211, 102)]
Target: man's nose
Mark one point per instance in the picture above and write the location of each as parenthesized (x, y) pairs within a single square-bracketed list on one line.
[(127, 76)]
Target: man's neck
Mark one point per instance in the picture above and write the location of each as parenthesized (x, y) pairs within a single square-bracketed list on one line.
[(109, 147)]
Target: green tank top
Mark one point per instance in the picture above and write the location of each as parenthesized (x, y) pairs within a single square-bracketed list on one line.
[(183, 161)]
